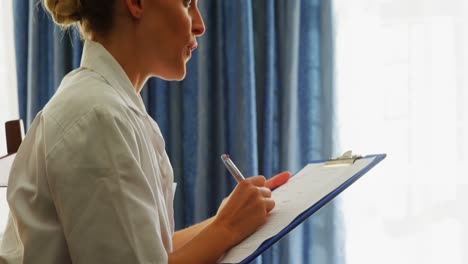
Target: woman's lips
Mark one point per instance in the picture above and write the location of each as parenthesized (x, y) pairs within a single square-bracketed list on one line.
[(193, 46)]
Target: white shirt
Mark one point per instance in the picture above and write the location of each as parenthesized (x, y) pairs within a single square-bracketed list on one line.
[(91, 182)]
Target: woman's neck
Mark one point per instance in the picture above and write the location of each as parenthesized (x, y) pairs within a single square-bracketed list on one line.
[(125, 53)]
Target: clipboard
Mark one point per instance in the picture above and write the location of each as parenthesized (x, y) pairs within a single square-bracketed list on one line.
[(347, 161)]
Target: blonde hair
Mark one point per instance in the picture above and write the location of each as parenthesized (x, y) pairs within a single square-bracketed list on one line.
[(91, 16)]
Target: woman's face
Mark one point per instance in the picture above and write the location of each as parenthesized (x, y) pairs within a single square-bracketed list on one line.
[(168, 32)]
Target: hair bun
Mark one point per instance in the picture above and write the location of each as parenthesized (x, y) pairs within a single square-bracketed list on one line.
[(64, 12)]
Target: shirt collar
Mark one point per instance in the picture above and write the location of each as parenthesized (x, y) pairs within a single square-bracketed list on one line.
[(97, 59)]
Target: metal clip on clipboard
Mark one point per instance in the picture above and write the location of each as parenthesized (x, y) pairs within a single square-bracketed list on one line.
[(346, 159)]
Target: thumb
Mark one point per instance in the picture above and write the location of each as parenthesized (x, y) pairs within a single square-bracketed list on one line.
[(278, 180)]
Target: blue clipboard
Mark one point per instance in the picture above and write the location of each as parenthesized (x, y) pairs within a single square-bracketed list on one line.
[(307, 213)]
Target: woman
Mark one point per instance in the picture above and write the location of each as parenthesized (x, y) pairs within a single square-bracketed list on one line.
[(92, 182)]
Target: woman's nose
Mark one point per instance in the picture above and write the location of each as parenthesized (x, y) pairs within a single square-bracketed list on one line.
[(198, 26)]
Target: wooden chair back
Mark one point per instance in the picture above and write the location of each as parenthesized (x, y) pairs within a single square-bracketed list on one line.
[(14, 136)]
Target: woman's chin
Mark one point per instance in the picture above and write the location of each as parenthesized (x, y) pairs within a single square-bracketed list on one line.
[(179, 76), (175, 75)]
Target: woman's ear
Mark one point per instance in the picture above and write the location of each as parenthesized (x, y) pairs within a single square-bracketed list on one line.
[(135, 7)]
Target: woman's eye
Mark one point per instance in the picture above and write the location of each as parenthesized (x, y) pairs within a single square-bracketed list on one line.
[(187, 3)]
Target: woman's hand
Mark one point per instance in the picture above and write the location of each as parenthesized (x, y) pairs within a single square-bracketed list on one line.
[(239, 215), (245, 209), (272, 183)]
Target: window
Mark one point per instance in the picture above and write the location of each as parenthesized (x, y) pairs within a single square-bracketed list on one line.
[(402, 81), (8, 91)]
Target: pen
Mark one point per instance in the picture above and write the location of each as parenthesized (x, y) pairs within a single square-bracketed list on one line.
[(232, 168)]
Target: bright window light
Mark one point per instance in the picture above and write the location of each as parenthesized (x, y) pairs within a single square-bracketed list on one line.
[(401, 77), (8, 90)]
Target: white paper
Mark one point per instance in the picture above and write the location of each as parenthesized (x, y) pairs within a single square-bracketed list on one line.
[(5, 165), (306, 188)]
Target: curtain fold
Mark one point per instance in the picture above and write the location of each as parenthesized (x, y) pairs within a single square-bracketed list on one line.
[(260, 87)]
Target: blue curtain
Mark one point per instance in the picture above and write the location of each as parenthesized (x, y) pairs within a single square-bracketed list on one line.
[(44, 54), (260, 87)]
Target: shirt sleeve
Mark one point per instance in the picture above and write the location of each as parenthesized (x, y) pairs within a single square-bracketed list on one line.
[(106, 206)]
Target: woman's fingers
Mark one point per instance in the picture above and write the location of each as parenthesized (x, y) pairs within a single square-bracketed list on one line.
[(278, 180), (246, 208), (265, 191), (257, 180), (271, 183), (269, 204)]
